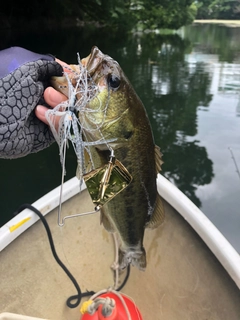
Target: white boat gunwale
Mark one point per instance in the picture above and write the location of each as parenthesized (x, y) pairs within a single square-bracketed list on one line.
[(216, 242)]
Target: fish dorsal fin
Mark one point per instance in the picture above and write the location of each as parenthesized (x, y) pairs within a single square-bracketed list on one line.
[(158, 214), (158, 159)]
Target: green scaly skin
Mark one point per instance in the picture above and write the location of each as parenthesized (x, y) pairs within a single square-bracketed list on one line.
[(126, 120), (117, 112)]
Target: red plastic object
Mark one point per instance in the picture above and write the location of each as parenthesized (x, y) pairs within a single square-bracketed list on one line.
[(119, 312)]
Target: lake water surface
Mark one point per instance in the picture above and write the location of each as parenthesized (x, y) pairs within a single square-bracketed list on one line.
[(190, 85)]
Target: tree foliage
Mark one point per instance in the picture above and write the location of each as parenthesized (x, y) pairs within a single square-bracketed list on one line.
[(115, 14), (218, 9), (164, 13)]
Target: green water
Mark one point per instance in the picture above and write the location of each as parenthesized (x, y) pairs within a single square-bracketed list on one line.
[(189, 83)]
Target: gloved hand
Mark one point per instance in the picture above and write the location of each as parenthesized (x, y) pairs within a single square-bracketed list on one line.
[(23, 77)]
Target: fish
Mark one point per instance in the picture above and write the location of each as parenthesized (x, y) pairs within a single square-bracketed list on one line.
[(117, 114)]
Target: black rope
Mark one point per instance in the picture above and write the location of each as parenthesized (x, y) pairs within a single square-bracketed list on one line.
[(125, 280), (79, 294)]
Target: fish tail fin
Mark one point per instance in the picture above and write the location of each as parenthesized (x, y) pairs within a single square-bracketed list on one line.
[(134, 257)]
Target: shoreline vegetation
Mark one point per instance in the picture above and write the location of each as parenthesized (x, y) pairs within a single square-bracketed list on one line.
[(117, 16), (227, 23), (52, 23), (75, 22)]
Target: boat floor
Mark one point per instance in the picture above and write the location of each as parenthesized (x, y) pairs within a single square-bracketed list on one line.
[(183, 279)]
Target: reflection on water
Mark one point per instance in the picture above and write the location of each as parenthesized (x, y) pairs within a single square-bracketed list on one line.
[(218, 125), (190, 85), (215, 40), (172, 90)]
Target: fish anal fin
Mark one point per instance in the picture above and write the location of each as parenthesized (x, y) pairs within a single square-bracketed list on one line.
[(106, 222), (158, 214), (158, 159)]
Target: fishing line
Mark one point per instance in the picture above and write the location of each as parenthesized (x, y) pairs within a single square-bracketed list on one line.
[(234, 161), (81, 90), (79, 294), (67, 119)]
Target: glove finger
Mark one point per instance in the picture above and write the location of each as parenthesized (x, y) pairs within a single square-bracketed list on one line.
[(48, 69)]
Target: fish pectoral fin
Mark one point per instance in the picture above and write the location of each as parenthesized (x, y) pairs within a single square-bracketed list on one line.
[(106, 223), (158, 214), (87, 166), (158, 159)]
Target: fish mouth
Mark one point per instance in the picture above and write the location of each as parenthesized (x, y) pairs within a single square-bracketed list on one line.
[(93, 60), (99, 65)]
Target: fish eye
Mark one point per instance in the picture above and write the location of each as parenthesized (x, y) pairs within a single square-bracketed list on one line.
[(114, 81)]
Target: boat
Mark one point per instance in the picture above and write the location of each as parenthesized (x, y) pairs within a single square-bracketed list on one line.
[(193, 272)]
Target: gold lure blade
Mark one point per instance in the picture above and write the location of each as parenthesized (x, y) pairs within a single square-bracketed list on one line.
[(106, 182)]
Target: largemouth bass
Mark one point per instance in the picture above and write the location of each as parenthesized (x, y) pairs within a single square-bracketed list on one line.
[(117, 114)]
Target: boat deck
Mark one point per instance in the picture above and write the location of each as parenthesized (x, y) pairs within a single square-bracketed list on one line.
[(183, 279)]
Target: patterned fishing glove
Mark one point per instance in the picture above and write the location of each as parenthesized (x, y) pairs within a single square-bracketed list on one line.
[(23, 77)]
